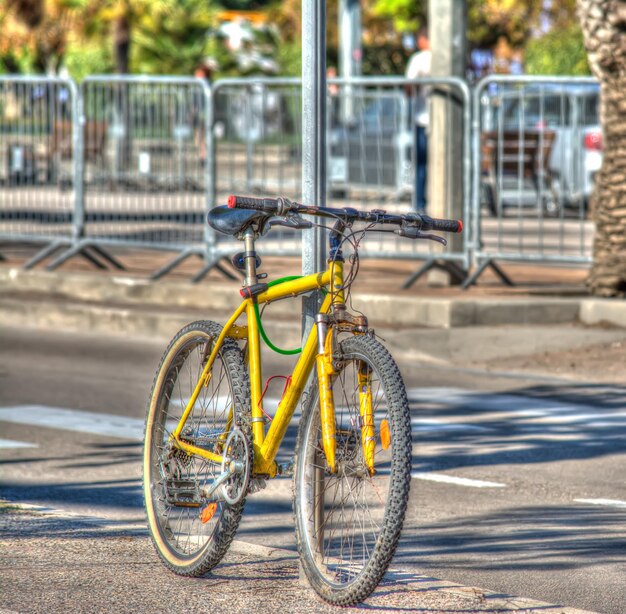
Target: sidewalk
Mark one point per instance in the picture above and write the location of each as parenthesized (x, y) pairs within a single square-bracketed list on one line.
[(547, 324), (545, 295), (58, 563)]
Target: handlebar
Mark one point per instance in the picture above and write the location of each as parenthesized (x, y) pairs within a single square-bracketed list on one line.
[(408, 221), (268, 205)]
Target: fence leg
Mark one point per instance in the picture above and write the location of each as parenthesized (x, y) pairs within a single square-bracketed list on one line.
[(75, 251), (473, 278), (415, 276), (107, 257), (172, 264), (457, 273), (42, 255), (213, 264)]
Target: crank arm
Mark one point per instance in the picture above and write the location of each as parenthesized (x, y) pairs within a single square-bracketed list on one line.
[(232, 468)]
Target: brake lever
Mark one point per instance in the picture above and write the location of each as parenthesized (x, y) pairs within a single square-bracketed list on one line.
[(414, 233), (294, 222)]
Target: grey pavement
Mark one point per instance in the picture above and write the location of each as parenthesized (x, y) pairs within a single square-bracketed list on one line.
[(54, 562)]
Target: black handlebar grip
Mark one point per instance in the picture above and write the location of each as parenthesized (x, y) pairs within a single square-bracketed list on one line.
[(269, 205), (446, 225)]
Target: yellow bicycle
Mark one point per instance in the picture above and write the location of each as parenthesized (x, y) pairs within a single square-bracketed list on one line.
[(208, 443)]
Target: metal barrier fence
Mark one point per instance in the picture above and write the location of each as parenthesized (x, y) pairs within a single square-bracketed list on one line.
[(38, 133), (137, 161), (256, 148), (536, 147), (142, 172)]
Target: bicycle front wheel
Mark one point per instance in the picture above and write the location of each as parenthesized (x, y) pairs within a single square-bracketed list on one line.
[(348, 523), (190, 529)]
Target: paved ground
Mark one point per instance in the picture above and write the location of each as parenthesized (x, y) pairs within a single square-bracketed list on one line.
[(55, 563), (516, 483)]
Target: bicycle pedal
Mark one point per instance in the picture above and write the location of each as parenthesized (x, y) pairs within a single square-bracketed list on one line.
[(182, 493)]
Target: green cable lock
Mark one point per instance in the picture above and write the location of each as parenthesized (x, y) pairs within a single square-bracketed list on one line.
[(258, 319)]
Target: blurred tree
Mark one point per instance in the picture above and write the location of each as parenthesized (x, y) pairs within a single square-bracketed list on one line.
[(488, 20), (561, 51), (405, 15), (83, 58), (515, 20), (245, 5), (171, 36), (111, 21), (604, 28), (286, 15), (33, 33)]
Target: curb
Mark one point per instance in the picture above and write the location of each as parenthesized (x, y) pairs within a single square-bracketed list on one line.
[(64, 296)]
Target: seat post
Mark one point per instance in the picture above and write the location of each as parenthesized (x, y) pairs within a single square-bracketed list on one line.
[(249, 257)]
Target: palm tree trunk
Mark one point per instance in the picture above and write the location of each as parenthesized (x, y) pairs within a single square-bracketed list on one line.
[(608, 273), (603, 23)]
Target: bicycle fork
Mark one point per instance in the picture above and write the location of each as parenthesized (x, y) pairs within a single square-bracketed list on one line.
[(325, 373)]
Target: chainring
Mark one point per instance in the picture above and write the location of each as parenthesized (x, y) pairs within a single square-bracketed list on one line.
[(236, 455)]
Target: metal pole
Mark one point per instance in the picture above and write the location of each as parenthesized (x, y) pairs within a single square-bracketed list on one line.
[(350, 52), (446, 151), (313, 142), (78, 145)]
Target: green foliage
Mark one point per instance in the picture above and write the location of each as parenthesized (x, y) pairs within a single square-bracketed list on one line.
[(244, 5), (515, 20), (559, 52), (407, 15), (91, 58), (289, 58), (17, 60), (170, 36)]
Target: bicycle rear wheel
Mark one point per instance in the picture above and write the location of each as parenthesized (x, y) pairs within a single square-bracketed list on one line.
[(348, 524), (192, 531)]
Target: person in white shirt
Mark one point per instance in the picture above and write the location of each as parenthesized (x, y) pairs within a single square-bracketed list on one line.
[(419, 66)]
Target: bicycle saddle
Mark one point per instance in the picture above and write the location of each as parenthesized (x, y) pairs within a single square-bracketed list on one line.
[(233, 221)]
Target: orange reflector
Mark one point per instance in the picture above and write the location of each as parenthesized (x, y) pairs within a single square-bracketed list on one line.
[(385, 434), (208, 512)]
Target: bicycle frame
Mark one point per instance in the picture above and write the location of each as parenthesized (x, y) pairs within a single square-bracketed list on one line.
[(266, 445)]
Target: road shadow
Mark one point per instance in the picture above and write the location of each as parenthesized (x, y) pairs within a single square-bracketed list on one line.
[(541, 538), (532, 425)]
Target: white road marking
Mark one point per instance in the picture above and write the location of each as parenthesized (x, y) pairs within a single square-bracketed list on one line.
[(540, 411), (8, 443), (450, 479), (74, 420), (607, 502)]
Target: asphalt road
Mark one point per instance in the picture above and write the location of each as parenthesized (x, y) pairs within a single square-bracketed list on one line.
[(518, 482)]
